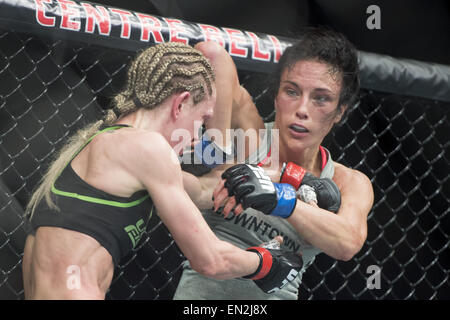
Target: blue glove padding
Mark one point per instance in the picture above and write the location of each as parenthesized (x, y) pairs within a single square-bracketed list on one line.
[(209, 153), (287, 199)]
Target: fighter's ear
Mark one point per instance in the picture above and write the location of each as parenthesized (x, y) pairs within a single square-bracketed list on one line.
[(179, 103), (340, 113)]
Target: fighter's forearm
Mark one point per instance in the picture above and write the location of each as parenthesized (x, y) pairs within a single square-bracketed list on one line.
[(325, 230)]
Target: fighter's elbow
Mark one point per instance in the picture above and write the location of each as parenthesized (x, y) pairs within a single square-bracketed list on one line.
[(212, 50), (346, 254), (350, 248)]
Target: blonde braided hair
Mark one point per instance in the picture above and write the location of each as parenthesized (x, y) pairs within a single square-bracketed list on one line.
[(160, 71), (154, 75)]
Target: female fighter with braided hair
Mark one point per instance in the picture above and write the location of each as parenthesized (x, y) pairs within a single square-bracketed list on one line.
[(92, 205), (317, 205)]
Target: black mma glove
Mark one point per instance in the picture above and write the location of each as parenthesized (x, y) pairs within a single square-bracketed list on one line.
[(327, 192), (253, 189), (276, 268)]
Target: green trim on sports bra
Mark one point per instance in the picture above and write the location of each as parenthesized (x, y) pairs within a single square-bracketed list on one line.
[(98, 200), (93, 199)]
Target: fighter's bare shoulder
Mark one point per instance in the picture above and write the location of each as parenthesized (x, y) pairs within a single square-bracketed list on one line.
[(142, 150), (352, 180)]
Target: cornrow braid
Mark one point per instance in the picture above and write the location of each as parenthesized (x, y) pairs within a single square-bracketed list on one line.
[(160, 74), (160, 71), (182, 61), (157, 96)]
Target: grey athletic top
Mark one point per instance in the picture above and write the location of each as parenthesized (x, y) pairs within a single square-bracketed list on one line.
[(250, 228)]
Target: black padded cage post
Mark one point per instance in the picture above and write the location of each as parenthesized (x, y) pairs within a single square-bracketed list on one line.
[(61, 62)]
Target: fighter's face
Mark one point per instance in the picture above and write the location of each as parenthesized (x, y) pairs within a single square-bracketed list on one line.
[(306, 104)]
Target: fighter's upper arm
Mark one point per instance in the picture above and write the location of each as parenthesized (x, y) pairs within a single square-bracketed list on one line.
[(245, 114), (356, 199)]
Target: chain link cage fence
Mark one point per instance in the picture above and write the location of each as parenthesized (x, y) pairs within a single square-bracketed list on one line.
[(50, 87)]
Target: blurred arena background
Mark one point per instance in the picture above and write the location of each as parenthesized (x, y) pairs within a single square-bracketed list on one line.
[(52, 83)]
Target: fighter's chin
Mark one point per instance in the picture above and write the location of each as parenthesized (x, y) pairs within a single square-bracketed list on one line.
[(297, 145)]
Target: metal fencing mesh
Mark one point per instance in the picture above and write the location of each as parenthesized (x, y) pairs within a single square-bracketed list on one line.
[(50, 88)]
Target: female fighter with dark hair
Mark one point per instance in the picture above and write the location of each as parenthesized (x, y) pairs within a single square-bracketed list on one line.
[(96, 198), (316, 204)]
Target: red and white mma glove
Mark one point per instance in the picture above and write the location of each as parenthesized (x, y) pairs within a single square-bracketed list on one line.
[(292, 174), (276, 268)]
